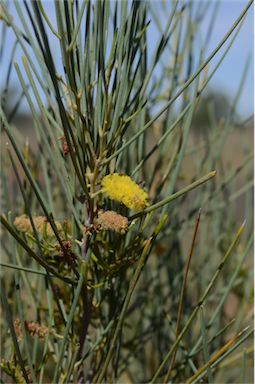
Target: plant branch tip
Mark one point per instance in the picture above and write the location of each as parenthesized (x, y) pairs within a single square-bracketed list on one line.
[(242, 226), (24, 60), (243, 331), (244, 222)]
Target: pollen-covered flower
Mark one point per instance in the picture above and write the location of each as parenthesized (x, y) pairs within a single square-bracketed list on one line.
[(111, 220), (33, 328), (121, 188), (23, 224)]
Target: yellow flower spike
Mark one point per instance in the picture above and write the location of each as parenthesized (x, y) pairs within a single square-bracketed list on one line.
[(124, 190)]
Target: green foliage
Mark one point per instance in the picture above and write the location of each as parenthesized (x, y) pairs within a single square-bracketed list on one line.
[(131, 296)]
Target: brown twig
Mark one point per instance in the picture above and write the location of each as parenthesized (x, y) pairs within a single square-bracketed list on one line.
[(87, 304)]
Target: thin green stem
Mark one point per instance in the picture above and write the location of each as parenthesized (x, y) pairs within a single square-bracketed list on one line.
[(67, 328), (174, 196), (201, 301), (187, 83), (132, 285), (19, 268), (184, 284)]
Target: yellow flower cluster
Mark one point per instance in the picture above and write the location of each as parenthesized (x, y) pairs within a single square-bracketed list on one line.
[(124, 190)]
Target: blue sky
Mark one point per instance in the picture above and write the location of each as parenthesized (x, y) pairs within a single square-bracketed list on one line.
[(228, 76)]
